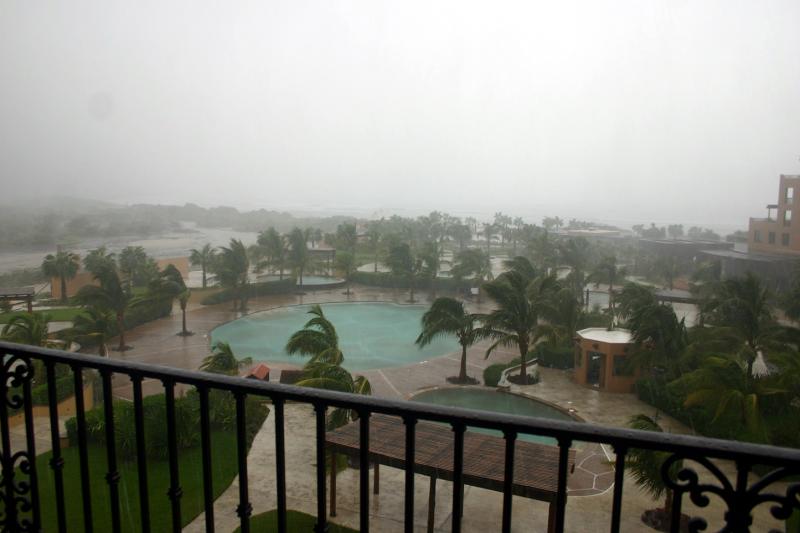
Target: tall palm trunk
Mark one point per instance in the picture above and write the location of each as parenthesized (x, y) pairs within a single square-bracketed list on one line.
[(462, 374), (523, 357), (376, 261), (121, 327), (183, 318), (63, 289), (204, 275)]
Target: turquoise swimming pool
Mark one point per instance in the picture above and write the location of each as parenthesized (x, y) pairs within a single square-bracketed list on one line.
[(371, 335), (495, 401)]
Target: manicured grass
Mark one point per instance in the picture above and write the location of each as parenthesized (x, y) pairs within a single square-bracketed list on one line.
[(224, 469), (64, 314), (295, 521)]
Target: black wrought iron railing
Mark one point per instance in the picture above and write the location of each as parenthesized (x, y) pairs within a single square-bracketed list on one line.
[(21, 504)]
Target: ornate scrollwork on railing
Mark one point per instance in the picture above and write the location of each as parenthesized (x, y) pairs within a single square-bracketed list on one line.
[(740, 499), (16, 371), (15, 485)]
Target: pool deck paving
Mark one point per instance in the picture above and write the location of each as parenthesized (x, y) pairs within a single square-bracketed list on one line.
[(590, 485)]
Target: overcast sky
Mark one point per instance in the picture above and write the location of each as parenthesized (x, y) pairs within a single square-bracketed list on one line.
[(619, 110)]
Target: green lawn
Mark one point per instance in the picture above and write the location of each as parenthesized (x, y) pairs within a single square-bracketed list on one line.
[(191, 477), (295, 521), (64, 314)]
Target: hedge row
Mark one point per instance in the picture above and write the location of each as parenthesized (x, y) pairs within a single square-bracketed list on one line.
[(561, 357), (222, 415), (148, 312), (392, 281), (253, 290)]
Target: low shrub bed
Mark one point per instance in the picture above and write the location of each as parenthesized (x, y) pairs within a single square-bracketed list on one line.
[(391, 281), (254, 290), (561, 357)]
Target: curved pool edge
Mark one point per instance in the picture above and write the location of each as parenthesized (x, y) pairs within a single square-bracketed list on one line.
[(484, 388)]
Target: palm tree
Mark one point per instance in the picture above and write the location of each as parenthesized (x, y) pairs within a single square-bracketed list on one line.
[(346, 263), (347, 237), (543, 250), (515, 321), (723, 384), (445, 317), (575, 253), (63, 265), (632, 298), (661, 340), (743, 306), (275, 248), (430, 256), (563, 312), (401, 262), (374, 238), (317, 339), (132, 261), (330, 376), (646, 465), (299, 257), (111, 295), (169, 286), (223, 361), (607, 271), (473, 263), (28, 328), (94, 326), (488, 233), (233, 268), (99, 259), (204, 258)]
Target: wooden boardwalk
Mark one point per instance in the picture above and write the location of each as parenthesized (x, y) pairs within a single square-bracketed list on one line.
[(535, 465)]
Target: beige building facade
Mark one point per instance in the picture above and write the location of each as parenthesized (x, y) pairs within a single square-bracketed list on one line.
[(602, 359), (779, 232)]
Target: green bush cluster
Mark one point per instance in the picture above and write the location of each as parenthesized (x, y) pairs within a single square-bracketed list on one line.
[(148, 312), (254, 290), (491, 374), (654, 391), (222, 415), (65, 385), (561, 357)]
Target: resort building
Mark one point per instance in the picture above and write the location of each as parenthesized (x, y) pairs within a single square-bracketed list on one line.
[(776, 233), (602, 359), (773, 243)]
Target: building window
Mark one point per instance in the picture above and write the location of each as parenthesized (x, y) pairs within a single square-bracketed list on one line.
[(789, 194), (772, 237), (757, 236), (785, 239), (621, 366), (787, 217)]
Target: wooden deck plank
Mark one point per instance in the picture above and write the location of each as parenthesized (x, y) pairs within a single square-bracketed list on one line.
[(535, 465)]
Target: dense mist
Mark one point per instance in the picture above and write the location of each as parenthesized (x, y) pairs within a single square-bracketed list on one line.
[(620, 111)]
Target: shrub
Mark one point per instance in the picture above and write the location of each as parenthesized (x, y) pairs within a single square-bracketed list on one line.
[(222, 415), (561, 357), (265, 288), (491, 375), (150, 311)]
